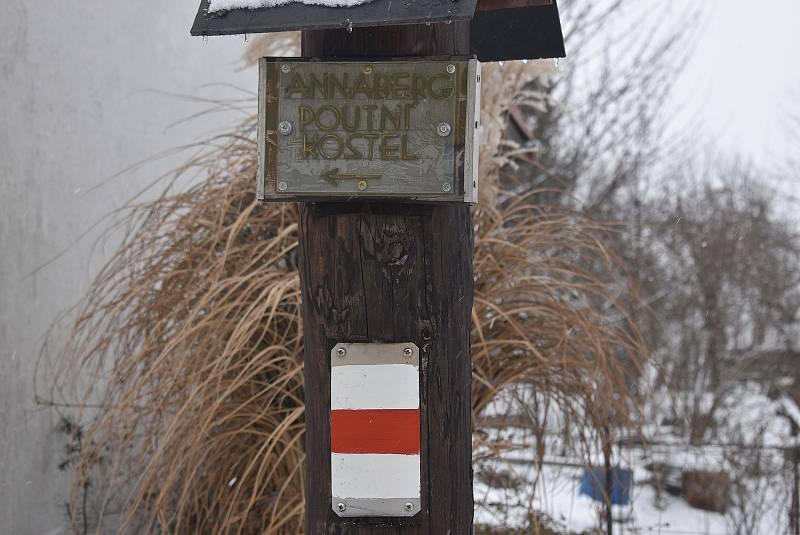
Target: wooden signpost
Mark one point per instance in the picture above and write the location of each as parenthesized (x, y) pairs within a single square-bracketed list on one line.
[(374, 131), (392, 272)]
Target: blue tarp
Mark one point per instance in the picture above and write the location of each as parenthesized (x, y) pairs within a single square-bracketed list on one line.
[(593, 484)]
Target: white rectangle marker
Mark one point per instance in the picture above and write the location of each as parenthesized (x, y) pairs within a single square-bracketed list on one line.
[(375, 430), (388, 386), (375, 476)]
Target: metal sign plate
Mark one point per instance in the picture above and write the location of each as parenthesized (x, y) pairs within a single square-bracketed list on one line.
[(390, 129), (375, 430)]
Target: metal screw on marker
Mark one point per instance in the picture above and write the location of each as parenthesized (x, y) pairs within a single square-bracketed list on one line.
[(408, 352), (285, 128), (341, 352), (283, 186), (451, 68), (446, 187), (341, 507), (362, 185), (285, 68), (367, 69), (409, 506), (444, 129)]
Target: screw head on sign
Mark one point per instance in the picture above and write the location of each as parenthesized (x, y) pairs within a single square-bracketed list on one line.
[(283, 186), (446, 187), (451, 68), (285, 128), (409, 506), (362, 185), (341, 507), (341, 352), (408, 352), (285, 68), (367, 69), (443, 129)]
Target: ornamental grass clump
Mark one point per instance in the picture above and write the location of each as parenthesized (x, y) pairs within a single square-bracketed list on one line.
[(188, 345)]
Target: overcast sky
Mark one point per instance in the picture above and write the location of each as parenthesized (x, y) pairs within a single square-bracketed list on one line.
[(744, 76)]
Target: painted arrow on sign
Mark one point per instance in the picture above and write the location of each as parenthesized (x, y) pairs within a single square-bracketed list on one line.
[(334, 177)]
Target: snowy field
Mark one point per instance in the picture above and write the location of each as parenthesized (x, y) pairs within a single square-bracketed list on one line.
[(509, 488), (559, 498)]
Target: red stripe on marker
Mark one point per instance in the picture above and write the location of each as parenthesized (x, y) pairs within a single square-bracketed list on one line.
[(377, 431)]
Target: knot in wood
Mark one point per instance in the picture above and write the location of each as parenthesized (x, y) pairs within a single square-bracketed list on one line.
[(426, 333), (397, 252)]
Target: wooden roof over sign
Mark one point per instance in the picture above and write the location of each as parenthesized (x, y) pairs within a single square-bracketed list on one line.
[(297, 16), (499, 29)]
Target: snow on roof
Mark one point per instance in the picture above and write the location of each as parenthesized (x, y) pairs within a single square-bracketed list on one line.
[(226, 5)]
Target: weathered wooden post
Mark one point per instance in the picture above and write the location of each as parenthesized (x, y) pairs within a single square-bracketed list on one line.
[(404, 275), (375, 132)]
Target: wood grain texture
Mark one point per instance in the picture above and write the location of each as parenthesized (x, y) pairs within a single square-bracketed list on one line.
[(413, 40), (391, 272)]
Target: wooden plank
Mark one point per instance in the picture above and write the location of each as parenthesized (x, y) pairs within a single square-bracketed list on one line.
[(296, 16)]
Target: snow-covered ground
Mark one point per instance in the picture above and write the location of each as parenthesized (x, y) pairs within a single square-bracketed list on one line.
[(557, 495), (559, 499), (510, 487)]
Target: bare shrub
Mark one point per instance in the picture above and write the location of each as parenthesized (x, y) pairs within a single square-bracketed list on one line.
[(191, 338)]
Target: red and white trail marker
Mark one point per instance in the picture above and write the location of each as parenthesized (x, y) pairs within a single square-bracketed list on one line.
[(375, 430)]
